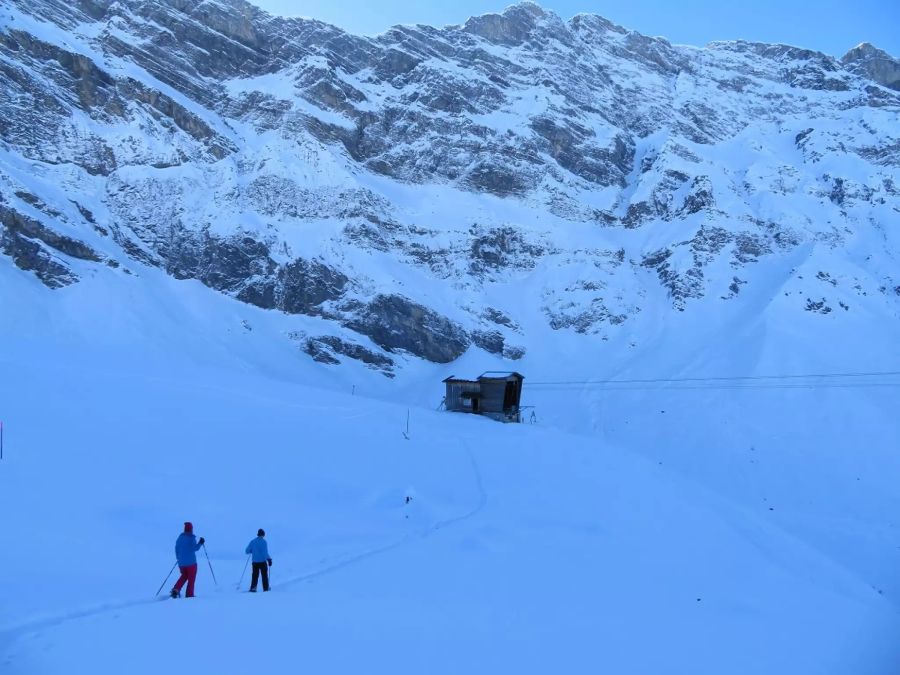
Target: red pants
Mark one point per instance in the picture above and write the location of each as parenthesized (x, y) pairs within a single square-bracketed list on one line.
[(188, 574)]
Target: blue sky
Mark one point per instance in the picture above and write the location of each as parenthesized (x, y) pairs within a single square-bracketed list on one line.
[(832, 26)]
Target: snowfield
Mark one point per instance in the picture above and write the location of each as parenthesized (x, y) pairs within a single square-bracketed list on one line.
[(631, 530)]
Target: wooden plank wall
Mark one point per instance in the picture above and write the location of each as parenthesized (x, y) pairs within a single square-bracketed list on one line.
[(455, 390)]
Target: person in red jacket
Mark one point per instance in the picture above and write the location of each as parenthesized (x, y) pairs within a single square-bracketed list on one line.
[(186, 547)]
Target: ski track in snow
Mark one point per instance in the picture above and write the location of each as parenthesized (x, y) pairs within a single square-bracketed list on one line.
[(9, 635), (406, 539)]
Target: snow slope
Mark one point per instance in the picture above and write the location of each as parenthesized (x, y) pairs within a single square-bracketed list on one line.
[(525, 548)]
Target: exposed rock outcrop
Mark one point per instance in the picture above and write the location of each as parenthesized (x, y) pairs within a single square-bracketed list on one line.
[(875, 64), (396, 323)]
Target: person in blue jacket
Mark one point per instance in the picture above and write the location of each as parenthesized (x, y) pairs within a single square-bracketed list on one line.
[(186, 547), (259, 549)]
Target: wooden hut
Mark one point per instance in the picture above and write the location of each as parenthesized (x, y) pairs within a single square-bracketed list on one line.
[(493, 394)]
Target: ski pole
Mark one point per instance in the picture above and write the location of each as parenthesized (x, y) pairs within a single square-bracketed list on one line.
[(210, 565), (167, 578), (244, 572)]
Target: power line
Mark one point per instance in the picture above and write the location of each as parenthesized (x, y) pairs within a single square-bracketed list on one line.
[(714, 386), (740, 381)]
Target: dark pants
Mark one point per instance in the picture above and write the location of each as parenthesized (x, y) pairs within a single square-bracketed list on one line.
[(258, 568)]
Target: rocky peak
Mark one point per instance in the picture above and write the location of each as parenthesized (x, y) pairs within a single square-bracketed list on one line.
[(514, 26), (872, 62), (596, 24), (862, 52)]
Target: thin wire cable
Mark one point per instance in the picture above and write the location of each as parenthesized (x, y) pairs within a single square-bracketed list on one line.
[(739, 378), (714, 386)]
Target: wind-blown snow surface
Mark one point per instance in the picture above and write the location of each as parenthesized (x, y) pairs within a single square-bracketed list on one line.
[(645, 543)]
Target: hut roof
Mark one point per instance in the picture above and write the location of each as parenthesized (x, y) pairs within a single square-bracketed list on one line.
[(500, 375), (459, 380)]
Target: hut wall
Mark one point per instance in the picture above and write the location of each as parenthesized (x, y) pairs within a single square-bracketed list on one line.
[(492, 395), (514, 394), (454, 398)]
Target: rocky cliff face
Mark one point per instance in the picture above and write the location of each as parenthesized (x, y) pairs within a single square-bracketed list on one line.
[(874, 63), (429, 190)]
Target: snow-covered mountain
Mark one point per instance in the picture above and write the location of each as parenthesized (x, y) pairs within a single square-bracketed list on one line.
[(239, 253), (494, 185)]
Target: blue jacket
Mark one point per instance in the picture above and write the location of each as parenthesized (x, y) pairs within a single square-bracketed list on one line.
[(259, 549), (186, 548)]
